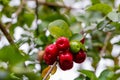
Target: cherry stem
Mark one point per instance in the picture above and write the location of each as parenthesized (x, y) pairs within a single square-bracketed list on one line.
[(49, 71)]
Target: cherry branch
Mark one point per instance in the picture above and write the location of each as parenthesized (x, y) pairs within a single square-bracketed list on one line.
[(4, 29), (53, 4), (49, 71), (36, 12), (5, 32), (17, 13), (105, 43)]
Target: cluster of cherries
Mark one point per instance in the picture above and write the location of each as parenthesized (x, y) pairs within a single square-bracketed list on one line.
[(65, 52)]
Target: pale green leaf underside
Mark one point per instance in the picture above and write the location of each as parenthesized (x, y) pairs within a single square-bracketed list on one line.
[(59, 28)]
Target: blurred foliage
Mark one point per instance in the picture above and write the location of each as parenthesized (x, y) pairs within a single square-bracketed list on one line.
[(104, 8), (96, 20)]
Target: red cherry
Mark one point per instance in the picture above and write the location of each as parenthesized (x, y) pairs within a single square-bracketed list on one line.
[(82, 41), (62, 43), (65, 60), (50, 55), (49, 59), (80, 57), (51, 50)]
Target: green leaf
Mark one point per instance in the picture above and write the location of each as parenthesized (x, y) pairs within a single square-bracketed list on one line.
[(20, 68), (28, 18), (108, 28), (43, 26), (25, 18), (4, 2), (11, 29), (89, 74), (77, 37), (50, 0), (41, 39), (55, 16), (13, 76), (8, 10), (104, 8), (102, 25), (89, 17), (106, 75), (119, 8), (95, 1), (59, 28), (50, 14), (95, 57), (81, 77), (116, 24), (0, 14), (113, 16), (12, 55)]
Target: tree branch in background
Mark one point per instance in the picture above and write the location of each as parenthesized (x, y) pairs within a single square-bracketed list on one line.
[(53, 4), (105, 43), (36, 12), (17, 13), (3, 29)]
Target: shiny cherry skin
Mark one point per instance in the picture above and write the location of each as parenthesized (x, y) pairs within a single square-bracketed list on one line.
[(80, 57), (51, 53), (62, 43), (66, 60)]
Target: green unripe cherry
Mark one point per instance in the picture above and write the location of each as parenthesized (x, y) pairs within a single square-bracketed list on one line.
[(75, 46)]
